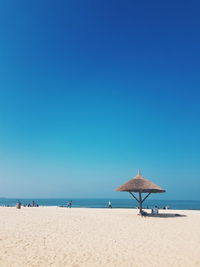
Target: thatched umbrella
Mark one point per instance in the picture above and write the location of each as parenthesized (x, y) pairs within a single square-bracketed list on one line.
[(141, 185)]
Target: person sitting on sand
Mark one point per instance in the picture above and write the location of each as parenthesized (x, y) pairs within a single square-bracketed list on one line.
[(155, 210), (143, 213)]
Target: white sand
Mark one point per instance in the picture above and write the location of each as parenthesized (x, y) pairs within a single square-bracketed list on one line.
[(52, 236)]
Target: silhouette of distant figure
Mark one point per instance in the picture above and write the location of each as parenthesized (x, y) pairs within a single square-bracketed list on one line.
[(18, 205), (69, 204), (109, 204), (155, 210)]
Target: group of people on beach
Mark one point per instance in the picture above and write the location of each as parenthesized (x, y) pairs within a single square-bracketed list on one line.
[(19, 204), (69, 204), (154, 210)]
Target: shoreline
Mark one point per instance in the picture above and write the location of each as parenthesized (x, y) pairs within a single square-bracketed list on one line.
[(99, 208), (103, 203)]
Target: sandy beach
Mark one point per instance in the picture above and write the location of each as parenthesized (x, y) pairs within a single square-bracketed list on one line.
[(53, 236)]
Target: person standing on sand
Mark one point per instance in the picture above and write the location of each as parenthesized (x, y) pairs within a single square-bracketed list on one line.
[(69, 204), (18, 205), (109, 204)]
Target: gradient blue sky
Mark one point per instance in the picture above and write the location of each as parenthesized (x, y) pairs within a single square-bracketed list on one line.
[(90, 91)]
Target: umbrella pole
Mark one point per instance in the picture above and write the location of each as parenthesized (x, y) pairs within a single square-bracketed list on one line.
[(140, 202)]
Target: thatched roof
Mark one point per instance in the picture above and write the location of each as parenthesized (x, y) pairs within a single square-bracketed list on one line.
[(140, 184)]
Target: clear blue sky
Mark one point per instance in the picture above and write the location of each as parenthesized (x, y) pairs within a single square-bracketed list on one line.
[(90, 91)]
